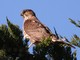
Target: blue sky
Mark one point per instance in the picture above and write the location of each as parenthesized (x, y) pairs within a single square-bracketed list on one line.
[(53, 13)]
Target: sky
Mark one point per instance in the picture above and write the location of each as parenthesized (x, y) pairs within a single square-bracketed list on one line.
[(52, 13)]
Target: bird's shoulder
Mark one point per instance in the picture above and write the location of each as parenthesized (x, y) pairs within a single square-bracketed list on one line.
[(41, 25)]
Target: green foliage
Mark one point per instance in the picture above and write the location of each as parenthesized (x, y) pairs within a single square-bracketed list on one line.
[(76, 24), (2, 53), (11, 43), (74, 55), (75, 39), (14, 30)]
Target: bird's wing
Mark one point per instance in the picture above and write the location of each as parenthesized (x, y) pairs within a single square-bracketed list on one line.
[(44, 26)]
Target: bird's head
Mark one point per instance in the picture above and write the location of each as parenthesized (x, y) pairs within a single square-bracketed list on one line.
[(27, 14)]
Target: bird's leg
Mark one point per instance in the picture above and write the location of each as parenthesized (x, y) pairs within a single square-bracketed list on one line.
[(26, 36), (33, 41), (30, 45)]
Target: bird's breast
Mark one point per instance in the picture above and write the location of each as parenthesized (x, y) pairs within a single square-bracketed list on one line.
[(29, 25)]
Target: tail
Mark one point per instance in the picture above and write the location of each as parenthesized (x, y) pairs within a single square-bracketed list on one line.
[(62, 41)]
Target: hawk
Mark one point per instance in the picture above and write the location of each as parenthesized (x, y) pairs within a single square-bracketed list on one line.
[(34, 30)]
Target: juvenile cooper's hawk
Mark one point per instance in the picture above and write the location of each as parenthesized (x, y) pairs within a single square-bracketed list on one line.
[(34, 29)]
